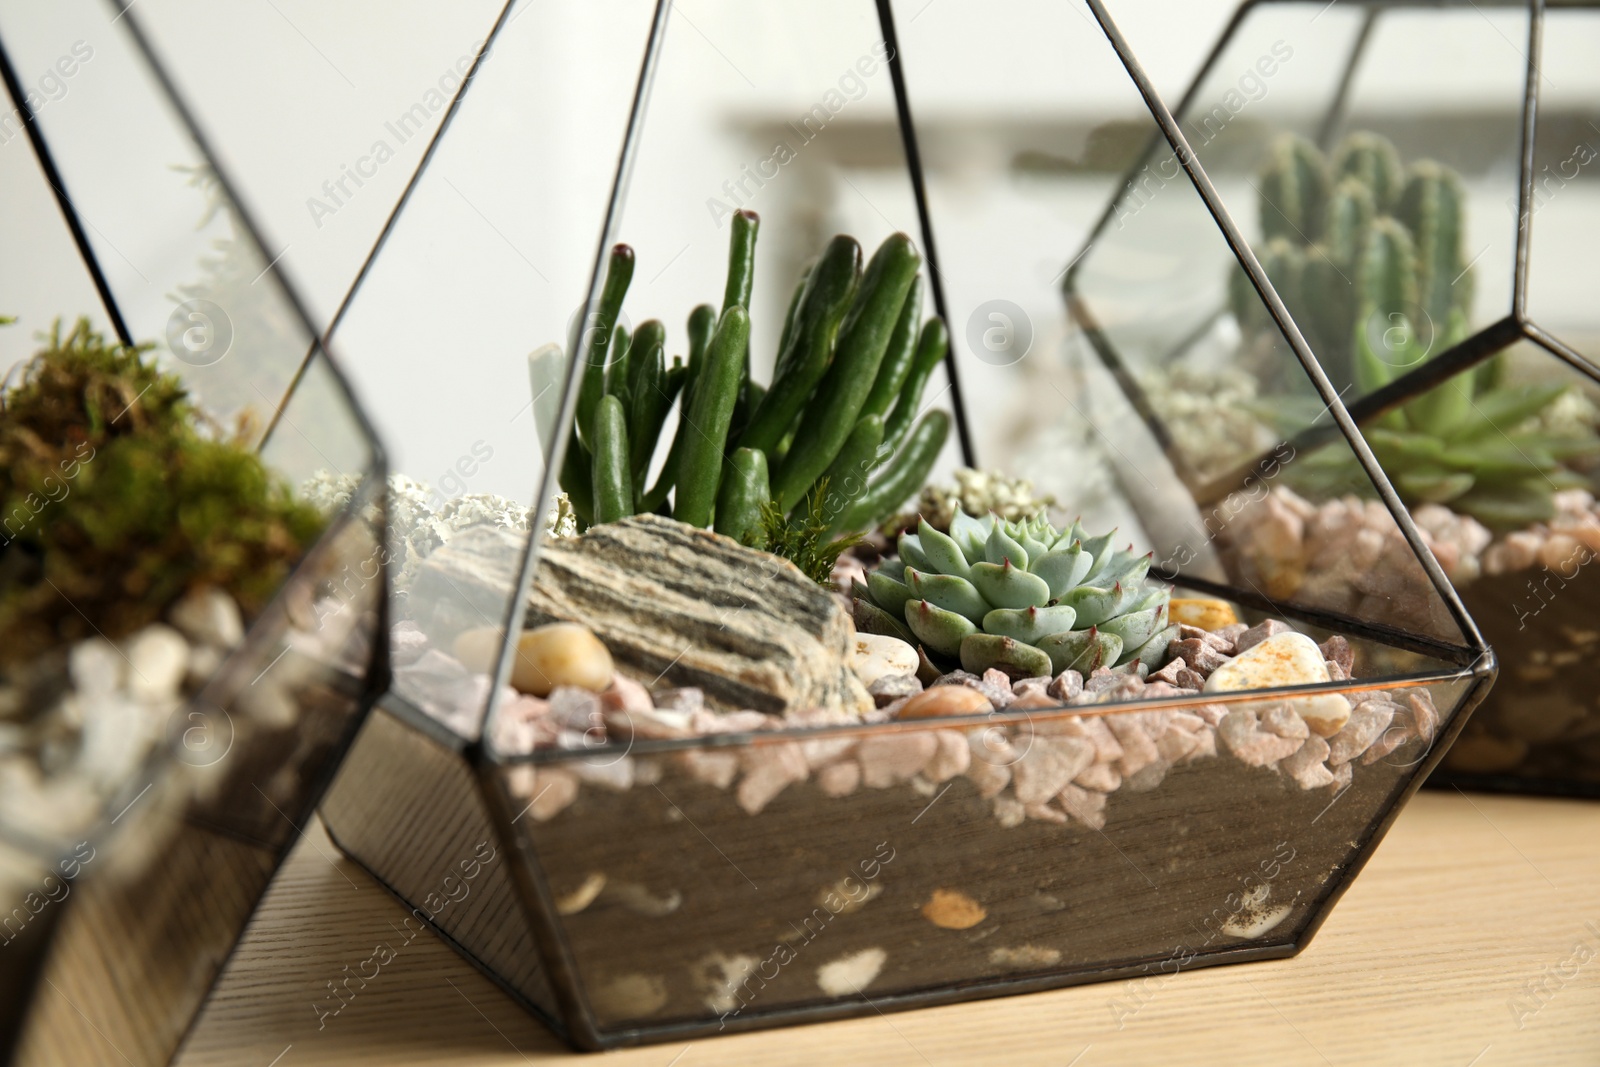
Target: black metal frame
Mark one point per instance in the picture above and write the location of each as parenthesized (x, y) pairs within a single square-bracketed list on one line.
[(371, 493)]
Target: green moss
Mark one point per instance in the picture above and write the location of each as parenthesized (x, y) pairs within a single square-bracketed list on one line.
[(803, 538), (117, 496)]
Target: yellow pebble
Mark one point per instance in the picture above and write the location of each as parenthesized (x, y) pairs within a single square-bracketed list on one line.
[(1204, 613)]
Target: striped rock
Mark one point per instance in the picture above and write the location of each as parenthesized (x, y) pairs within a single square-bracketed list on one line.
[(676, 606)]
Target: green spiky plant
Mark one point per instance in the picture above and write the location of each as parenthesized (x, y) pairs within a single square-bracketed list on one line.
[(833, 444), (1378, 288), (117, 497), (1021, 596)]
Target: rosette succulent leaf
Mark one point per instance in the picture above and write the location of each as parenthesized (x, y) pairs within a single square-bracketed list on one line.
[(1021, 596)]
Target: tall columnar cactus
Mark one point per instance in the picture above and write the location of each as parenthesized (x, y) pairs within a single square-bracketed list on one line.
[(1020, 596), (1373, 160), (1430, 207), (842, 410), (1370, 203), (1294, 190)]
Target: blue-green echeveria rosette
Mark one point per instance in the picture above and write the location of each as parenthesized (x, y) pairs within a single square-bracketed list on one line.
[(1023, 597)]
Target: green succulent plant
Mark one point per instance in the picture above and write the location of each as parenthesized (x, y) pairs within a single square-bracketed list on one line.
[(1021, 596), (1378, 285), (842, 409), (1319, 222)]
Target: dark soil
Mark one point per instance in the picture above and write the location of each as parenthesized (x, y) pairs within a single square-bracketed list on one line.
[(1539, 728), (1155, 888)]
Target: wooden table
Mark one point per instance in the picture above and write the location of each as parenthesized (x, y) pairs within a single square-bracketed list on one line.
[(1471, 940)]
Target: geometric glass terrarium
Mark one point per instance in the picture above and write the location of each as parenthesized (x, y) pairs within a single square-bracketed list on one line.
[(190, 634), (695, 791), (1419, 182)]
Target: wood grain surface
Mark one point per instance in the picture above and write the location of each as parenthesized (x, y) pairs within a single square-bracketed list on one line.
[(1471, 940)]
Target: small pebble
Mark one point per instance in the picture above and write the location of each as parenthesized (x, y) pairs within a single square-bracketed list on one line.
[(1258, 633), (158, 657), (1205, 613), (888, 688), (561, 653), (208, 616), (851, 974), (876, 656), (943, 700), (951, 909)]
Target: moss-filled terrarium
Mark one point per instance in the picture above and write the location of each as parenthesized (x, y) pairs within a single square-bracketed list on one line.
[(730, 690), (1417, 183), (187, 641)]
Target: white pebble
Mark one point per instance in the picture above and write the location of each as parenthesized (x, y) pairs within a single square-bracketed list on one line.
[(851, 974), (209, 616), (158, 656)]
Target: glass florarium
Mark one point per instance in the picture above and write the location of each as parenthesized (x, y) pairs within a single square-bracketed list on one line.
[(1419, 183), (729, 689), (190, 628)]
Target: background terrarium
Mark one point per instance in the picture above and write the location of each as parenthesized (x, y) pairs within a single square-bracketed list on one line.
[(1017, 729), (1418, 182), (189, 636)]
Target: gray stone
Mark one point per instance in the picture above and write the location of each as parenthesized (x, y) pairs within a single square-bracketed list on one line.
[(672, 603), (891, 687), (1066, 685)]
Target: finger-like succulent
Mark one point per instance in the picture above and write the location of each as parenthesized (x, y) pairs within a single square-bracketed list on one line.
[(1021, 596)]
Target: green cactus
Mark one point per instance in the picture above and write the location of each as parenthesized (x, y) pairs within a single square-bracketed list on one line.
[(1373, 160), (1020, 596), (1350, 306), (851, 345), (1294, 191), (1430, 207)]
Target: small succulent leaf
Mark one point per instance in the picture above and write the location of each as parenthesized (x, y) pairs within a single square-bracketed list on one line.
[(1153, 653), (942, 631), (969, 534), (1400, 448), (894, 568), (948, 591), (1062, 568), (888, 593), (1508, 507), (911, 553), (1151, 596), (1443, 410), (1029, 624), (1505, 456), (1127, 568), (1007, 586), (1506, 408), (1562, 446), (1034, 549), (1094, 603), (859, 590), (1432, 485), (1081, 650), (1135, 628), (871, 619), (1100, 549), (941, 550), (1001, 547), (979, 652)]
